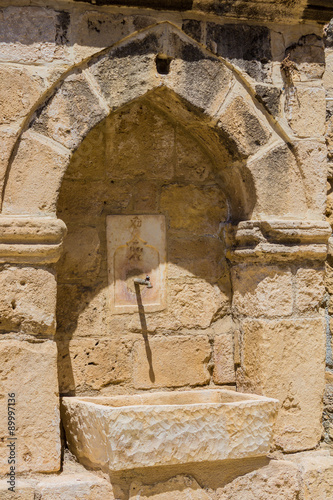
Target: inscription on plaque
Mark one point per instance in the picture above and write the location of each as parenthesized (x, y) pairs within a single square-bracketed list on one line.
[(136, 248)]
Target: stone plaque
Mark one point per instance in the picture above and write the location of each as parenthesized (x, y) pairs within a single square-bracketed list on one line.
[(136, 248)]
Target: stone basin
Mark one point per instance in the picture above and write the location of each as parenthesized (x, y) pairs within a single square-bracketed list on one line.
[(166, 428)]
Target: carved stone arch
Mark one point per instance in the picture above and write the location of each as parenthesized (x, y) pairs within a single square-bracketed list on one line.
[(208, 93)]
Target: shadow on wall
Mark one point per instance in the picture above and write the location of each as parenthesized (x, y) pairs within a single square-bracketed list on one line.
[(154, 156)]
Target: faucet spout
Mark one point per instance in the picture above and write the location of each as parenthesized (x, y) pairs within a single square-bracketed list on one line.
[(139, 281)]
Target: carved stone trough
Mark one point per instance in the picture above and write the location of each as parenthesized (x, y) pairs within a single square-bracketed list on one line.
[(165, 428)]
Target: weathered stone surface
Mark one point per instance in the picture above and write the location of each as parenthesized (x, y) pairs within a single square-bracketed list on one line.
[(316, 474), (85, 364), (171, 362), (194, 303), (71, 113), (28, 300), (309, 289), (242, 126), (36, 174), (262, 291), (163, 428), (246, 46), (192, 209), (23, 490), (312, 159), (281, 359), (278, 480), (19, 90), (306, 111), (7, 141), (177, 488), (139, 132), (80, 486), (93, 31), (224, 368), (279, 186), (30, 371), (270, 97), (203, 81), (81, 258), (308, 57), (33, 35)]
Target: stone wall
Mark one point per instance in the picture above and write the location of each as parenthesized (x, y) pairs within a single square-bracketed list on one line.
[(222, 125)]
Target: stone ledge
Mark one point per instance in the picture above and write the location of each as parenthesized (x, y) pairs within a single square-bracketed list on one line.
[(278, 241), (30, 240)]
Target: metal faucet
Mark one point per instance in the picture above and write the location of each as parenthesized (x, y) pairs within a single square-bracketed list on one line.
[(139, 281)]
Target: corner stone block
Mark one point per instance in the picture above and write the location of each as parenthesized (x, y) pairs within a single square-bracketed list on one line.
[(77, 486), (23, 490), (224, 367), (92, 363), (306, 111), (171, 362), (35, 177), (243, 127), (285, 360), (21, 39), (262, 290), (71, 113), (20, 88), (27, 300), (279, 185), (29, 370), (310, 289)]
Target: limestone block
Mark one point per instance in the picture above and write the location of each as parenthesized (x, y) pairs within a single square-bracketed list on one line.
[(285, 359), (306, 111), (203, 81), (279, 481), (80, 486), (241, 125), (7, 141), (81, 257), (167, 428), (262, 290), (140, 142), (312, 159), (27, 300), (85, 364), (36, 175), (309, 289), (94, 31), (328, 75), (33, 35), (19, 90), (224, 368), (135, 61), (23, 490), (171, 362), (30, 371), (308, 55), (81, 311), (194, 303), (194, 210), (177, 488), (316, 475), (279, 185), (201, 257), (192, 160), (71, 113)]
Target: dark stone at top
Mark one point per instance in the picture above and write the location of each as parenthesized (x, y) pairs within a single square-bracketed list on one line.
[(328, 39), (269, 97), (179, 5), (248, 46), (240, 41), (192, 28)]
